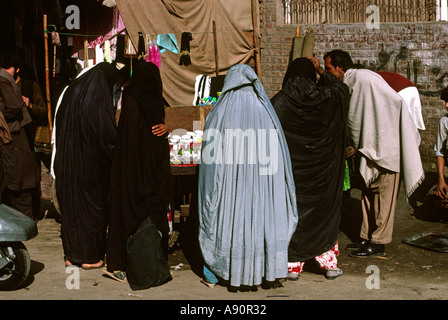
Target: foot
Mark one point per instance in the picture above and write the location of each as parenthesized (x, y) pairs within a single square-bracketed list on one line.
[(294, 270), (356, 245), (120, 276), (333, 274), (369, 250), (97, 265), (293, 276)]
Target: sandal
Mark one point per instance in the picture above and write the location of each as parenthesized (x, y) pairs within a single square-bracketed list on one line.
[(333, 274), (120, 276), (208, 283)]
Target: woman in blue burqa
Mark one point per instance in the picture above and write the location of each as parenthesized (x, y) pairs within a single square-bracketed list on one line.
[(85, 137), (247, 205), (313, 117)]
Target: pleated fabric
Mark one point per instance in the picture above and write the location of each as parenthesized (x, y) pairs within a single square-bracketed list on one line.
[(313, 116), (247, 204), (85, 138)]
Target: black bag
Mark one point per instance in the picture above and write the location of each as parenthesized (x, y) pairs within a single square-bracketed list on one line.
[(146, 266)]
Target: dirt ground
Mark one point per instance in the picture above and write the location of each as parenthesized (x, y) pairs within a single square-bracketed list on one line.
[(405, 273)]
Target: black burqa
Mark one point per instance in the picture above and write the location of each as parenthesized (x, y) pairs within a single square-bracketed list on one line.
[(85, 137), (313, 117), (141, 164)]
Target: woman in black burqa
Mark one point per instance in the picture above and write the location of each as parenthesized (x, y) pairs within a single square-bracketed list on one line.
[(140, 177), (313, 117), (85, 137)]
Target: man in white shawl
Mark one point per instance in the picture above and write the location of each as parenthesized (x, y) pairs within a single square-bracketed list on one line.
[(387, 142), (247, 203)]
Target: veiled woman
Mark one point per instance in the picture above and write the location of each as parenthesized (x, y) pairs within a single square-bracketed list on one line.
[(85, 137), (140, 177), (313, 117), (247, 206)]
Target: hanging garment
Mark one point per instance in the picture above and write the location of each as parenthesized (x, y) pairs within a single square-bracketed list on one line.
[(185, 49), (313, 117), (247, 205), (201, 88), (85, 137), (167, 41)]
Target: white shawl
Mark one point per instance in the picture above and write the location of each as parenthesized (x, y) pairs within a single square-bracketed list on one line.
[(382, 130)]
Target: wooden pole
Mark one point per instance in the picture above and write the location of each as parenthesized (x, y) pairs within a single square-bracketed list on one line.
[(256, 38), (215, 40), (47, 75)]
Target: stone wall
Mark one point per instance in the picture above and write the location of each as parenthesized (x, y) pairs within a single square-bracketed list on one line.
[(415, 50)]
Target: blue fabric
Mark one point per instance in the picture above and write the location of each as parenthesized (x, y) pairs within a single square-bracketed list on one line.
[(167, 41), (247, 204), (209, 276)]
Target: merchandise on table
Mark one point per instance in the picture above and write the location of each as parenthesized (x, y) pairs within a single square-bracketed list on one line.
[(186, 149)]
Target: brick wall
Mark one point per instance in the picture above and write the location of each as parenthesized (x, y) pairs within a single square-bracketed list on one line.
[(418, 51)]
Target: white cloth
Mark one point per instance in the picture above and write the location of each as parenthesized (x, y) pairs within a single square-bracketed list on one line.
[(53, 133), (382, 130), (412, 98), (99, 55)]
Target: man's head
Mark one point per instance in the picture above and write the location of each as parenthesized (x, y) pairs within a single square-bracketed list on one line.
[(444, 97), (11, 63), (337, 62)]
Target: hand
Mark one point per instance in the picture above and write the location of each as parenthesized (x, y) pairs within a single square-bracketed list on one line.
[(349, 151), (316, 64), (442, 189), (160, 130), (27, 101)]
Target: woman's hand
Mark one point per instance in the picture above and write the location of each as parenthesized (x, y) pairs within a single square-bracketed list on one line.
[(160, 130)]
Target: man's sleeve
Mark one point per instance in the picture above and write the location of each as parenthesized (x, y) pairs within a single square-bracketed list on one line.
[(440, 146), (13, 105)]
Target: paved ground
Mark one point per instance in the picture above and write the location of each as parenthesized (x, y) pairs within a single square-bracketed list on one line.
[(405, 273)]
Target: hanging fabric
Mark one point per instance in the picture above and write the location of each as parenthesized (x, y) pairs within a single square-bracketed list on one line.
[(153, 53), (141, 46), (167, 41), (185, 49), (107, 56)]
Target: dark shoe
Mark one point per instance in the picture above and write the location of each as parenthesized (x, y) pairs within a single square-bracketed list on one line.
[(356, 245), (369, 250)]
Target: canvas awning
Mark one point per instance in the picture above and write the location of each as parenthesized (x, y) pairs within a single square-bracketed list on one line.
[(195, 16)]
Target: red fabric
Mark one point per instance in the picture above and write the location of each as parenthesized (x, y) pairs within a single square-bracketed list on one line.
[(396, 81), (327, 261)]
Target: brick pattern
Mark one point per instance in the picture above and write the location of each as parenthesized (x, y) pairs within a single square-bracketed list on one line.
[(415, 50)]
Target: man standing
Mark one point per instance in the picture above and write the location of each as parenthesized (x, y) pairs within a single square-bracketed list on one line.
[(440, 149), (387, 148), (18, 159)]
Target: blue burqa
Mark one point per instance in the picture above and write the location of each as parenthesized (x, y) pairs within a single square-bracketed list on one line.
[(247, 202)]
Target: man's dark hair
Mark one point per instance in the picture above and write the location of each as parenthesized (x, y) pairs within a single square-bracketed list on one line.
[(444, 94), (9, 60), (340, 58)]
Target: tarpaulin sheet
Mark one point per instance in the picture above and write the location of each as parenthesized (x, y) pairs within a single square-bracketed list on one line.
[(195, 16)]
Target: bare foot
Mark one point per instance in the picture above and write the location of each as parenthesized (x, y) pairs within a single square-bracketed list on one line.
[(92, 266)]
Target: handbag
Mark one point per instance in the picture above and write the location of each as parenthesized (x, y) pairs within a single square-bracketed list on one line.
[(146, 266), (42, 140)]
